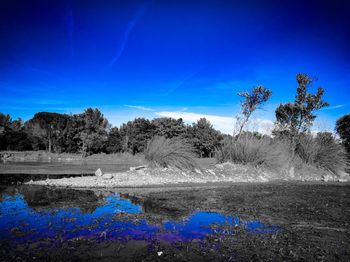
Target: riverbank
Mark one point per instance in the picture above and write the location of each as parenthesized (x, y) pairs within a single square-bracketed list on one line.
[(219, 173), (71, 170)]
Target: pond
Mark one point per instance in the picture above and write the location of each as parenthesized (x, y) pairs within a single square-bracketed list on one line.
[(31, 214)]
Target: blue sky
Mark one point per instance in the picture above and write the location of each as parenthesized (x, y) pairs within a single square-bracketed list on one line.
[(170, 58)]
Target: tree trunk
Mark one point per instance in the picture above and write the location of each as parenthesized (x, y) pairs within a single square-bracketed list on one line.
[(244, 122), (291, 161), (50, 145)]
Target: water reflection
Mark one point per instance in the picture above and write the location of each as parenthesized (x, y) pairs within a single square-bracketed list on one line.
[(113, 218)]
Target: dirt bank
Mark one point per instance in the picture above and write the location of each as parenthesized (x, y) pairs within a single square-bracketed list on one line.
[(226, 172)]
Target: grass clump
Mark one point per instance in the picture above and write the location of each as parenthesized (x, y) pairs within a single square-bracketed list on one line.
[(255, 151), (175, 152), (322, 151)]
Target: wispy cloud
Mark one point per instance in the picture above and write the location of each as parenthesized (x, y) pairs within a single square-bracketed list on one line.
[(180, 83), (140, 107), (130, 26), (333, 107), (223, 123)]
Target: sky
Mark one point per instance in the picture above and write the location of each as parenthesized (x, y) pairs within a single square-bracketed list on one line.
[(182, 59)]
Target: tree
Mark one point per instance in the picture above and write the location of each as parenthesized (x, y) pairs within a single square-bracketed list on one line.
[(114, 141), (205, 138), (70, 140), (343, 129), (5, 122), (168, 127), (48, 127), (93, 133), (17, 140), (135, 135), (12, 135), (297, 117), (252, 100)]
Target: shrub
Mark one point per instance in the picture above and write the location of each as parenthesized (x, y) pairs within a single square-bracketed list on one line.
[(322, 151), (343, 129), (174, 152), (248, 149)]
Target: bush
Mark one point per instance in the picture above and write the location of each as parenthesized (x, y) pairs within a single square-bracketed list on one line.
[(322, 151), (258, 152), (173, 152), (343, 129)]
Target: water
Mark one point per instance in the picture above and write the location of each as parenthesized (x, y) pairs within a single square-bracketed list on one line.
[(32, 214)]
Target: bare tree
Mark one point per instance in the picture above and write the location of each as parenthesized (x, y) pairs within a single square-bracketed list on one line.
[(253, 100)]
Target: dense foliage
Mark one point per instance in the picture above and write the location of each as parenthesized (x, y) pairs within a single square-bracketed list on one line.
[(203, 137), (89, 133), (45, 129), (297, 117), (343, 129)]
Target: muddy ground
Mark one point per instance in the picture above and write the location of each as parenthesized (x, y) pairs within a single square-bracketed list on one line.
[(313, 220)]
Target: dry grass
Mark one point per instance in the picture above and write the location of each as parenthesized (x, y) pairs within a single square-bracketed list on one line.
[(321, 152), (174, 152), (258, 152), (324, 152)]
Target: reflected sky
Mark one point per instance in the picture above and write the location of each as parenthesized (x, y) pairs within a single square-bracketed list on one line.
[(21, 224)]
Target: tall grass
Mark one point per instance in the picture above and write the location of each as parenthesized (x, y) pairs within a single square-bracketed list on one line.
[(163, 152), (322, 151), (258, 152)]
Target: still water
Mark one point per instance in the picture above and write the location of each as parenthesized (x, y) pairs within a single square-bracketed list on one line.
[(30, 214)]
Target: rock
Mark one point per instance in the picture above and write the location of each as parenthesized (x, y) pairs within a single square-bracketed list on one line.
[(326, 178), (98, 172), (107, 176), (133, 168), (17, 232), (219, 166), (343, 176), (141, 172), (198, 171), (211, 172), (6, 157), (291, 172)]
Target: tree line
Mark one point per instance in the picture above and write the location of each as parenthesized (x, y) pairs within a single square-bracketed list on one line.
[(90, 133)]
